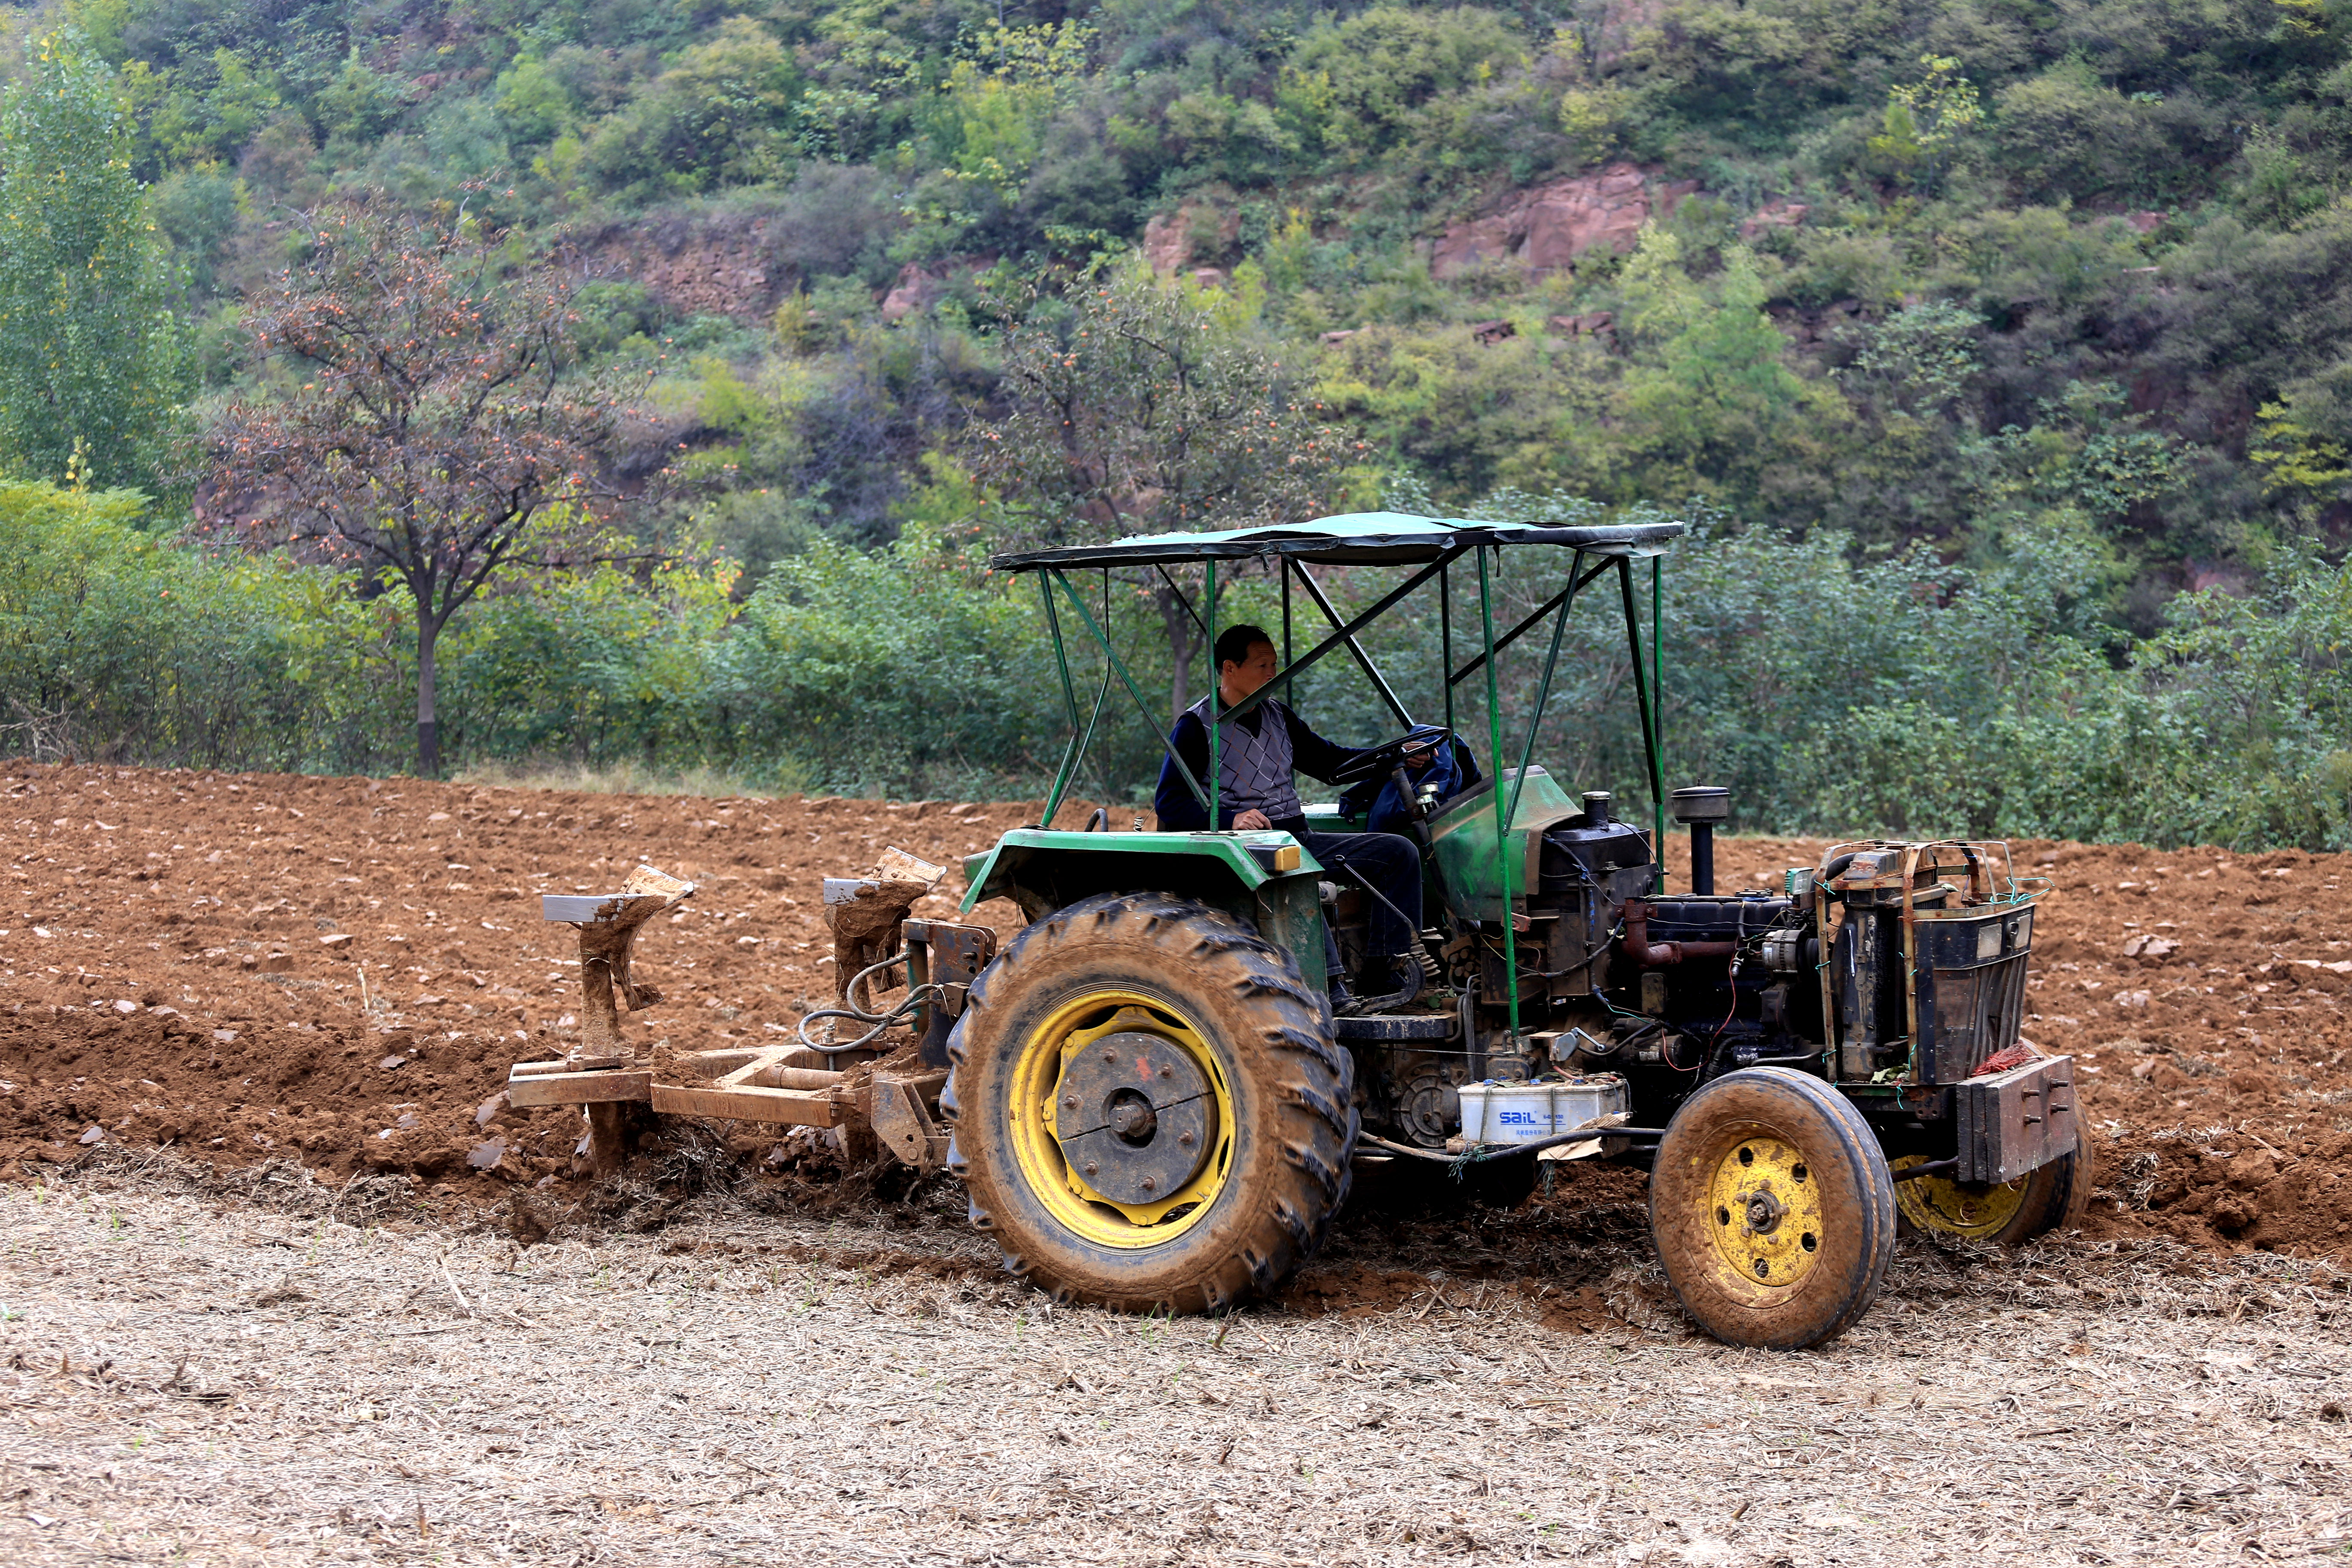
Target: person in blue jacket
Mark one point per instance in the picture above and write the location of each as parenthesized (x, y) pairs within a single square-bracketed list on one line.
[(1257, 754)]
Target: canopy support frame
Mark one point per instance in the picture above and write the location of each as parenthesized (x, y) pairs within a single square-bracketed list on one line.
[(1141, 706), (1535, 619), (1543, 687), (1649, 720), (1345, 635), (1371, 671)]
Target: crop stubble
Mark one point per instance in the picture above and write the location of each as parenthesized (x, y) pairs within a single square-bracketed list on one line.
[(195, 1376)]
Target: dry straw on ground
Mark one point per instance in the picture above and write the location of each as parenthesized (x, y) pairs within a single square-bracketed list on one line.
[(286, 1373)]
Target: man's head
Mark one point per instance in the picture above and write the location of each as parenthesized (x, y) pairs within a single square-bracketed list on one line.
[(1245, 661)]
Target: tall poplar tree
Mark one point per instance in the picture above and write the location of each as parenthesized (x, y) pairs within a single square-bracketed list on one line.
[(91, 358)]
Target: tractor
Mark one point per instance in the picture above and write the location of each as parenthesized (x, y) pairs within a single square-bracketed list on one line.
[(1153, 1103)]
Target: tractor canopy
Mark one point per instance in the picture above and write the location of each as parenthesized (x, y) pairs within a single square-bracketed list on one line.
[(1353, 539), (1487, 852)]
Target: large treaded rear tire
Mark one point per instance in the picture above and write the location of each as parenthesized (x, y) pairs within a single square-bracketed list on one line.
[(1772, 1209), (1284, 1126)]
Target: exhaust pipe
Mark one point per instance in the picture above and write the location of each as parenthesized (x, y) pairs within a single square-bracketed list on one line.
[(1699, 809), (1636, 943)]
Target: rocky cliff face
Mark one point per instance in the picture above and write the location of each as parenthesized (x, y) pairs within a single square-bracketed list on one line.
[(1546, 227), (707, 268), (1542, 227)]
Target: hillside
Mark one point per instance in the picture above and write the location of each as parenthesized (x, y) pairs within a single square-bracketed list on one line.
[(2031, 266), (1996, 352)]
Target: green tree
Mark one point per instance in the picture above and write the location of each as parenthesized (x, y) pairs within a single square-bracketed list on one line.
[(1152, 407), (91, 362), (1927, 121), (1709, 405), (722, 115)]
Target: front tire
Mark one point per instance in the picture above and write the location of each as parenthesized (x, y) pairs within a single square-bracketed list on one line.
[(1773, 1210), (1213, 1123)]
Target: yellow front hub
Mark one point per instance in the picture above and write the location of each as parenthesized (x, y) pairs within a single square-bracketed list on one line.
[(1955, 1208), (1765, 1212), (1122, 1082)]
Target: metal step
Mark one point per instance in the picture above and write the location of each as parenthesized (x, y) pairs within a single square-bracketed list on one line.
[(1385, 1027)]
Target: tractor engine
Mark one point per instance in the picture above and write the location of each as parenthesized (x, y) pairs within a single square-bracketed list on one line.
[(1698, 984), (1896, 968), (1890, 962)]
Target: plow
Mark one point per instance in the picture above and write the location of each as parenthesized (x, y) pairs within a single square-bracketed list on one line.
[(1160, 1092), (879, 1089)]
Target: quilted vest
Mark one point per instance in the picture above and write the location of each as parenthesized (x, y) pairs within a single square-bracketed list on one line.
[(1253, 771)]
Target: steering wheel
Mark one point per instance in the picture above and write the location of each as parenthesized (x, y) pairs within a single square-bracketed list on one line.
[(1375, 761)]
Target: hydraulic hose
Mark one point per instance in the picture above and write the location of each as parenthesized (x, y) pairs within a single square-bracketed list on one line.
[(918, 998)]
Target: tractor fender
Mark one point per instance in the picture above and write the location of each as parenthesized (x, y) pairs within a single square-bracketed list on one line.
[(1267, 879)]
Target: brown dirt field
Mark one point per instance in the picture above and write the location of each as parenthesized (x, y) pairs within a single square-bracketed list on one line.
[(166, 979)]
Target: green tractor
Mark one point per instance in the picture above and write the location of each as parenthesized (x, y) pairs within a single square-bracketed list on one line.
[(1154, 1104)]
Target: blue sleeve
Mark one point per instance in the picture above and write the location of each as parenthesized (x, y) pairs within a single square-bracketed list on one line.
[(1388, 813), (1178, 808), (1310, 754)]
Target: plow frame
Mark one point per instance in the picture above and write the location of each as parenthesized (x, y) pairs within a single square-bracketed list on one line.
[(786, 1085)]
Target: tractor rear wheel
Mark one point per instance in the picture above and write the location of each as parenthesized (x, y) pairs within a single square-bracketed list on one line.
[(2050, 1197), (1149, 1109), (1773, 1210)]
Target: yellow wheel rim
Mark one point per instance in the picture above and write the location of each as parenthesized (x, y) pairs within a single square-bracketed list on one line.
[(1764, 1211), (1954, 1208), (1039, 1102)]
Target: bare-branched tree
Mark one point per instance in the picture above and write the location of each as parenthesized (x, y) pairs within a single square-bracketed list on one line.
[(420, 423)]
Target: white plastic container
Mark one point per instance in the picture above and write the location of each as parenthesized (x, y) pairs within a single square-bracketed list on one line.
[(1523, 1112)]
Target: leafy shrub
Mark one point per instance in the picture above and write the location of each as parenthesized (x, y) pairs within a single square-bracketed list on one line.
[(1365, 85), (834, 219), (723, 114), (2064, 134)]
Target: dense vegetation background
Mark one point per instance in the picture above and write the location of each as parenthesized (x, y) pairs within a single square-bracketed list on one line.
[(2000, 353)]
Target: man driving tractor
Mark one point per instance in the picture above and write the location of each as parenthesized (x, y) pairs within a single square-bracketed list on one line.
[(1258, 752)]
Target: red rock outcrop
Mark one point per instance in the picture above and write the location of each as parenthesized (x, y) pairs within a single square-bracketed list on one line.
[(917, 288), (1546, 227), (1773, 216), (1174, 241), (914, 291), (692, 270)]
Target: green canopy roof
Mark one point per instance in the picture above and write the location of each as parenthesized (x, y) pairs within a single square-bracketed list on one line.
[(1357, 539)]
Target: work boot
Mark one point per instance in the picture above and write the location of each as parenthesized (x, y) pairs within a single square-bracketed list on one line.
[(1343, 1001)]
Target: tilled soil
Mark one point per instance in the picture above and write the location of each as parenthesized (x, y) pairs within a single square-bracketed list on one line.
[(343, 968), (337, 972)]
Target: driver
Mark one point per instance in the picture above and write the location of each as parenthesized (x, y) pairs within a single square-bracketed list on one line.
[(1257, 754)]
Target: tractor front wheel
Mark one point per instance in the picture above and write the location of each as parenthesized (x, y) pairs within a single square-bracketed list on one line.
[(1772, 1209), (1149, 1109)]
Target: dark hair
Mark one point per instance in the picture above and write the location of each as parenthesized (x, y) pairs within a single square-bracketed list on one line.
[(1234, 644)]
